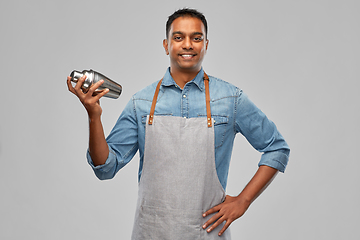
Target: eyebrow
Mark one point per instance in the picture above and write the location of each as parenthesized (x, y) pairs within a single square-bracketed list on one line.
[(194, 33)]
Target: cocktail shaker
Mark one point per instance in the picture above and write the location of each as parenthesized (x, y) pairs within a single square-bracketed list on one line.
[(93, 77)]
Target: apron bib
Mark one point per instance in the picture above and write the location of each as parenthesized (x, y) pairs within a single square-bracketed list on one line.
[(179, 180)]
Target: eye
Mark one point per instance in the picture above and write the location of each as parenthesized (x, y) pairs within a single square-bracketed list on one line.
[(177, 38), (198, 39)]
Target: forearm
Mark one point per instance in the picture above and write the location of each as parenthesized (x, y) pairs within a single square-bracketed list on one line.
[(98, 148), (262, 178), (234, 207)]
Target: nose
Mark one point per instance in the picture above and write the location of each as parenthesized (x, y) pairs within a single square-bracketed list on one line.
[(187, 43)]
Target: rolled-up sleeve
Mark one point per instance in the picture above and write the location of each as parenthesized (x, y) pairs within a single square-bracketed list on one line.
[(261, 133), (122, 142), (106, 170)]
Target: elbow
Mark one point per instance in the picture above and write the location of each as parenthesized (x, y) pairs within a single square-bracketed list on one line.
[(101, 175), (277, 159)]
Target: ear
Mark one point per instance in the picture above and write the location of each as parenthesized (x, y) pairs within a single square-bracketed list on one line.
[(165, 44), (207, 43)]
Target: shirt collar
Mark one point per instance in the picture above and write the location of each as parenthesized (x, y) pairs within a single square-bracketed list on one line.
[(198, 80)]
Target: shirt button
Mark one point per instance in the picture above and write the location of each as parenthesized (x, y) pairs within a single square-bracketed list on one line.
[(184, 96)]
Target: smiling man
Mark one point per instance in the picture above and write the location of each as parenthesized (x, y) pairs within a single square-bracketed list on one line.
[(184, 128), (186, 44)]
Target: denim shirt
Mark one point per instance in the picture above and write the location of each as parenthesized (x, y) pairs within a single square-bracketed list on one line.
[(231, 110)]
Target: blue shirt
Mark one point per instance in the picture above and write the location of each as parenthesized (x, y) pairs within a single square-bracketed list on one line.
[(231, 110)]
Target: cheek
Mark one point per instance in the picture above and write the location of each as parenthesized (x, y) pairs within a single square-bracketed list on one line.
[(173, 50), (202, 51), (202, 48)]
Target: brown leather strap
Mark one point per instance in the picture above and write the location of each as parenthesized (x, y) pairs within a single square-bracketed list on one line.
[(152, 110), (207, 99)]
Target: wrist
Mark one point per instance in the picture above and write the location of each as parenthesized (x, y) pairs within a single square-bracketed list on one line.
[(94, 119), (244, 199), (93, 113)]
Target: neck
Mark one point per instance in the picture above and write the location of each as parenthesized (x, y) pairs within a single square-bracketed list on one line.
[(182, 77)]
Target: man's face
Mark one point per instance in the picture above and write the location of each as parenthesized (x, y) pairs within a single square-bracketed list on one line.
[(186, 44)]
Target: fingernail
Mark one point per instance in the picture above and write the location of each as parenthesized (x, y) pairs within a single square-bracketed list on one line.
[(204, 215), (208, 230), (204, 226)]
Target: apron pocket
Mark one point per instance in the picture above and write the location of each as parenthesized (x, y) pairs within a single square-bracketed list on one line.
[(172, 224)]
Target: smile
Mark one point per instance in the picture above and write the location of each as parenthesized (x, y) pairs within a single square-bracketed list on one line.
[(187, 56)]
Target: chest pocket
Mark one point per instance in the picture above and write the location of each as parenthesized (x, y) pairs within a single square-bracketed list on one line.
[(220, 125)]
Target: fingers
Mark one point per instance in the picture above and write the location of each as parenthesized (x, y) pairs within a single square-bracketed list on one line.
[(213, 220), (216, 224), (101, 94), (217, 219), (227, 212), (94, 92), (227, 224), (78, 85), (89, 99), (95, 86), (70, 87), (77, 89), (79, 92), (212, 210)]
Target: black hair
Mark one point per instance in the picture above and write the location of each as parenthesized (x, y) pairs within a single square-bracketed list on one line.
[(185, 12)]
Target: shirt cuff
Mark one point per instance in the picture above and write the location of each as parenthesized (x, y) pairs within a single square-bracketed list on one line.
[(275, 159), (107, 166)]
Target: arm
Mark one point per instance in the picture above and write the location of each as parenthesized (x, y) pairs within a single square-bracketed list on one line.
[(98, 147), (263, 135), (234, 207)]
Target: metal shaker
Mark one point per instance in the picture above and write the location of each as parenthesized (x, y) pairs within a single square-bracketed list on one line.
[(93, 77)]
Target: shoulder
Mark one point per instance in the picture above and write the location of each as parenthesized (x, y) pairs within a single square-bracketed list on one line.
[(220, 86), (147, 93)]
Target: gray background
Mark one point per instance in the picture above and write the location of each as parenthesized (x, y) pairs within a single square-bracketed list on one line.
[(297, 60)]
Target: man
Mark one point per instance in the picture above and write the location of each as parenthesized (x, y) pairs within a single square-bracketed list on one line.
[(184, 127)]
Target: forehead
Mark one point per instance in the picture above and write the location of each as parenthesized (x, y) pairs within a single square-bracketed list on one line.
[(187, 25)]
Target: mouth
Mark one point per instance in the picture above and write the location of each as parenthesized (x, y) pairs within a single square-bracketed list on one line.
[(187, 55)]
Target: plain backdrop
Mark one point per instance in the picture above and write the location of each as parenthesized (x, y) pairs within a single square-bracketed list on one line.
[(297, 60)]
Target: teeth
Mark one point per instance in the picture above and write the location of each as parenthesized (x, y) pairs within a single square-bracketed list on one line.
[(186, 55)]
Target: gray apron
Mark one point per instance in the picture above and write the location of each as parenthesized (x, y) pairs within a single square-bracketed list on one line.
[(179, 180)]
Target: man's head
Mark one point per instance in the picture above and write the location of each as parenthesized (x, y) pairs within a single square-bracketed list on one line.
[(186, 12), (186, 42)]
